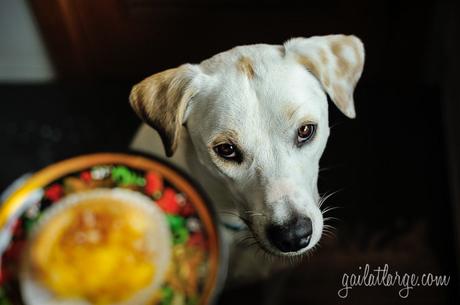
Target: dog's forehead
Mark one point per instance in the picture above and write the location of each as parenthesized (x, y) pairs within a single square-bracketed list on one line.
[(259, 83), (243, 57)]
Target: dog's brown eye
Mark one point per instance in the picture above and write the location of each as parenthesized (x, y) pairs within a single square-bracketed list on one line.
[(305, 133), (228, 151)]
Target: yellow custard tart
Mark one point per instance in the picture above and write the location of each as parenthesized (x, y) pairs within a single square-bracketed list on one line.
[(105, 246)]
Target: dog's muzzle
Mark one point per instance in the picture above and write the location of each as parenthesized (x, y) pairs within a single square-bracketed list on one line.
[(292, 236)]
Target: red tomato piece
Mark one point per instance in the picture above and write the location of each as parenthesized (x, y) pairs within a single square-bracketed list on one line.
[(54, 192), (153, 183), (86, 176), (168, 202)]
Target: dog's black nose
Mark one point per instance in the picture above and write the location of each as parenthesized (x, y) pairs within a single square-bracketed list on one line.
[(292, 236)]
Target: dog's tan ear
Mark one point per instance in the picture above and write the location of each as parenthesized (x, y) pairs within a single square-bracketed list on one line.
[(161, 101), (336, 61)]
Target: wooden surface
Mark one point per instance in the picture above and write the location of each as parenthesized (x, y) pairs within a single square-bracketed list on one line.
[(130, 39)]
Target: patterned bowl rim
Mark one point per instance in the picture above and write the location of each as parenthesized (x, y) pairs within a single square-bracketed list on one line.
[(142, 161)]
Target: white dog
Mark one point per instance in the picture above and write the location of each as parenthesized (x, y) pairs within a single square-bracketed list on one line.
[(250, 124)]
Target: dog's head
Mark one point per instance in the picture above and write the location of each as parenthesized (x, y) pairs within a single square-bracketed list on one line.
[(258, 120)]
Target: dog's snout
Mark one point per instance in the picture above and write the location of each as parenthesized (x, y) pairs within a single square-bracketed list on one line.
[(292, 236)]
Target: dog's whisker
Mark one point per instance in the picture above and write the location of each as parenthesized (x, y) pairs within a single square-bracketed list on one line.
[(310, 252), (229, 212), (245, 240), (315, 247), (268, 257), (243, 236), (299, 258), (246, 221), (335, 125), (309, 255), (286, 259), (326, 196), (232, 213), (331, 218), (260, 252), (328, 209), (328, 237), (252, 213), (328, 226), (249, 241), (323, 199), (326, 168), (329, 234)]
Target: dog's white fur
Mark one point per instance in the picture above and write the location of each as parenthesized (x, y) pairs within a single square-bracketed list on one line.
[(257, 96)]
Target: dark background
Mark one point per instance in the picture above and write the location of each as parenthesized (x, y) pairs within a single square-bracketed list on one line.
[(396, 164)]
